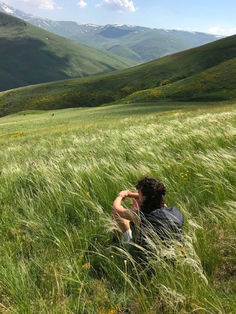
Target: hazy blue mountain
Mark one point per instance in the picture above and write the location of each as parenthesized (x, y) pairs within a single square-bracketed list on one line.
[(139, 44)]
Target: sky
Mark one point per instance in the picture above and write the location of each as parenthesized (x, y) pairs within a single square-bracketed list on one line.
[(210, 16)]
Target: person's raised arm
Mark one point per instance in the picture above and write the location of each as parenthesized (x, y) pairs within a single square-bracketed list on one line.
[(120, 210), (117, 202)]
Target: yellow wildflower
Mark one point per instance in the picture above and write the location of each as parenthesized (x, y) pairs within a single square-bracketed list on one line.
[(86, 266)]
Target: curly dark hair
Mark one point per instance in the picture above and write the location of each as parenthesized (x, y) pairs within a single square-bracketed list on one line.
[(154, 192)]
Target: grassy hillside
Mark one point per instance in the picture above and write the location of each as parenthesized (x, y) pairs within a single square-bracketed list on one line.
[(30, 55), (111, 87), (217, 83), (59, 177)]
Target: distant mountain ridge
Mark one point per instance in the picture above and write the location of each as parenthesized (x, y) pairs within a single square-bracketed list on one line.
[(137, 43)]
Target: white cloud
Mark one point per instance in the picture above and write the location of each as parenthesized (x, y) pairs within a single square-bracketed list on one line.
[(118, 5), (41, 4), (82, 4), (216, 30)]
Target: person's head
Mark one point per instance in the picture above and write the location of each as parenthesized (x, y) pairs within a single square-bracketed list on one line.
[(151, 194)]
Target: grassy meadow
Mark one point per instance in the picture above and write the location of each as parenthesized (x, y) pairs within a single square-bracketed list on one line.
[(59, 174)]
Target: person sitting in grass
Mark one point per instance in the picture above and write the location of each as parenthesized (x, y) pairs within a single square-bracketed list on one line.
[(149, 211)]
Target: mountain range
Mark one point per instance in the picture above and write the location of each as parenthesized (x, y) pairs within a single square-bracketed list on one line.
[(203, 73), (139, 44)]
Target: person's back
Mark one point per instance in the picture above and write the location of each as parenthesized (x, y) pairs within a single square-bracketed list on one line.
[(164, 224)]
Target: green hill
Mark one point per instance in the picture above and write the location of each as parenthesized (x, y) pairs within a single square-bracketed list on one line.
[(30, 55), (183, 68), (216, 83)]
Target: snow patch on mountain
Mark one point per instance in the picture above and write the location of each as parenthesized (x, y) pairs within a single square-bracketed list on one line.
[(6, 8), (92, 25), (76, 28)]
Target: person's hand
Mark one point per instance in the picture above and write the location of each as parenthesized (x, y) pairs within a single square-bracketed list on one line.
[(124, 194)]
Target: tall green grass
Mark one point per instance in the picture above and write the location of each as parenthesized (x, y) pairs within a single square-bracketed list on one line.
[(59, 177)]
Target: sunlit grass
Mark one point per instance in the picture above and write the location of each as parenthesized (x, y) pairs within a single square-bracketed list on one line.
[(59, 177)]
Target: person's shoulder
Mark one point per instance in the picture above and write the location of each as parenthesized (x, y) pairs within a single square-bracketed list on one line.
[(168, 213), (176, 215)]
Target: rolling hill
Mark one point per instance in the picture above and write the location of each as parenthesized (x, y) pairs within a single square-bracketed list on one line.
[(206, 72), (216, 83), (30, 55), (140, 44)]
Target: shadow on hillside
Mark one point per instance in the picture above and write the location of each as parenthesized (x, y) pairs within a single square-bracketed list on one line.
[(137, 109), (29, 61), (142, 109)]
